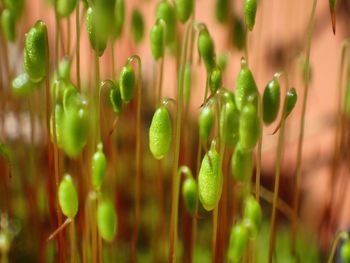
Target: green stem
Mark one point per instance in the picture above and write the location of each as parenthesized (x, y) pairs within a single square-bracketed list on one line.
[(138, 155), (302, 124), (340, 235), (175, 179)]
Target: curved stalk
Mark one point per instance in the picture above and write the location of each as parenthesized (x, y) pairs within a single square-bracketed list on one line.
[(340, 235), (302, 124)]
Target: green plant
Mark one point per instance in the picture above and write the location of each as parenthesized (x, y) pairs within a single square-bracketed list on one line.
[(250, 7), (137, 26)]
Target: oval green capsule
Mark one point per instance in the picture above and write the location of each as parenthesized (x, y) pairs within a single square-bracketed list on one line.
[(107, 220), (206, 49), (71, 96), (222, 10), (22, 85), (345, 251), (35, 52), (210, 180), (249, 127), (190, 195), (238, 34), (271, 101), (166, 12), (245, 85), (65, 7), (291, 100), (229, 122), (206, 123), (137, 26), (228, 97), (252, 212), (160, 133), (238, 242), (99, 166), (68, 197), (119, 17), (8, 24), (184, 9), (98, 37), (116, 99), (215, 79), (75, 131), (250, 7), (64, 67), (157, 42), (15, 6), (242, 164), (127, 83)]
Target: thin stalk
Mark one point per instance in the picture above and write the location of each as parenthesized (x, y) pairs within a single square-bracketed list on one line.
[(302, 124), (176, 179), (340, 235), (113, 57), (160, 81), (72, 242), (258, 152), (138, 155), (68, 34), (77, 28)]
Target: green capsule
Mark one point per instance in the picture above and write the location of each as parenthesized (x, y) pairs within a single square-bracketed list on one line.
[(249, 127), (271, 101), (206, 123), (160, 133), (184, 9), (252, 212), (15, 6), (332, 4), (157, 42), (166, 12), (127, 83), (229, 122), (116, 99), (64, 67), (22, 85), (206, 49), (345, 251), (8, 24), (291, 100), (107, 220), (210, 180), (238, 34), (222, 10), (223, 61), (59, 123), (36, 51), (98, 36), (99, 166), (75, 131), (245, 85), (65, 7), (71, 97), (119, 17), (190, 195), (250, 13), (215, 79), (68, 197), (137, 26), (187, 81), (229, 97), (238, 242), (242, 164)]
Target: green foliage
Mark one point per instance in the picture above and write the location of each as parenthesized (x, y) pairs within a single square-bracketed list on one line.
[(250, 7), (8, 25), (271, 101), (210, 180), (107, 220), (68, 197), (36, 52), (137, 26), (160, 133)]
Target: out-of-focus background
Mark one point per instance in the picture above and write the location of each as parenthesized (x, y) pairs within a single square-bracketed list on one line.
[(276, 43)]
